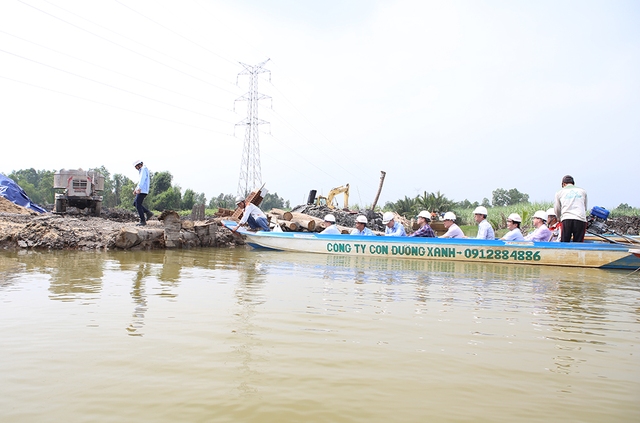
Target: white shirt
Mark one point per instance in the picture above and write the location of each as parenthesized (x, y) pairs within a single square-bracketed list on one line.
[(485, 230), (332, 230), (251, 210), (454, 231)]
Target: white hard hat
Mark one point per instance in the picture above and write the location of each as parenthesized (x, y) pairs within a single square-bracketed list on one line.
[(551, 212), (449, 216), (361, 219), (481, 210), (515, 217), (387, 217), (425, 214), (137, 162), (541, 215), (330, 218), (239, 199)]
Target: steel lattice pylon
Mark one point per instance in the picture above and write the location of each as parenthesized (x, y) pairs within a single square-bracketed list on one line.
[(250, 172)]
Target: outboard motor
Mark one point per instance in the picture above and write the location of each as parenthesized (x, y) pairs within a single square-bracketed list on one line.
[(596, 220)]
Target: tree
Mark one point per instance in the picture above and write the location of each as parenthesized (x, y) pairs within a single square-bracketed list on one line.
[(225, 201), (167, 200), (433, 202), (188, 200), (37, 184), (200, 198), (122, 190), (406, 207), (160, 182), (272, 201), (502, 197), (485, 202), (108, 195)]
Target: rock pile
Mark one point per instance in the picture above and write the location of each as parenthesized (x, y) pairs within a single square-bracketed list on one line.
[(343, 218), (625, 225)]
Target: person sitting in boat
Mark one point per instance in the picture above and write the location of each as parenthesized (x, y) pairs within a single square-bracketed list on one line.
[(485, 230), (513, 223), (361, 227), (330, 226), (554, 225), (252, 216), (393, 228), (453, 230), (425, 230), (542, 232)]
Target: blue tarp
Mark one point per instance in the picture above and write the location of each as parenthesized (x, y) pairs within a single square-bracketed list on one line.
[(12, 192)]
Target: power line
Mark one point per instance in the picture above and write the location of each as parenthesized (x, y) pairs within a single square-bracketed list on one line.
[(114, 87), (124, 47), (116, 72), (115, 107)]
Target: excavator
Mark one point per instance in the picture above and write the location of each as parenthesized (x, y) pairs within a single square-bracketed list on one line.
[(328, 200)]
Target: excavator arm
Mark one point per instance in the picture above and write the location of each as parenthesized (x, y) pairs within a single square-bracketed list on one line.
[(336, 191)]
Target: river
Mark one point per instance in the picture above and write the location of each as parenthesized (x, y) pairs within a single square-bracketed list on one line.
[(235, 335)]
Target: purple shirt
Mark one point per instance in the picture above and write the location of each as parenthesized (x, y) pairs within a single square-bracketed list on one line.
[(426, 230)]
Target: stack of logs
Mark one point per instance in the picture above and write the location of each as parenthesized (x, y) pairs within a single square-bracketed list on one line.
[(296, 222)]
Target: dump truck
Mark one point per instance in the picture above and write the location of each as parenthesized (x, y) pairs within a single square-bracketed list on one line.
[(78, 188)]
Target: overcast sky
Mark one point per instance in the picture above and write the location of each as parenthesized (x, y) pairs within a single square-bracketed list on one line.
[(461, 97)]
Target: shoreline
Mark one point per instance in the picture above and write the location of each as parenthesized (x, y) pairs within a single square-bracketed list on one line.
[(65, 232)]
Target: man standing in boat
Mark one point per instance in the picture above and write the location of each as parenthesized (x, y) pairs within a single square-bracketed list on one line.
[(571, 207), (485, 230), (425, 230), (393, 228), (252, 216)]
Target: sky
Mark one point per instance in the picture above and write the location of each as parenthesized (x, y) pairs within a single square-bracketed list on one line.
[(460, 97)]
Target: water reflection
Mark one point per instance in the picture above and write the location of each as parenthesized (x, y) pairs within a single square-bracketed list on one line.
[(249, 295), (570, 307)]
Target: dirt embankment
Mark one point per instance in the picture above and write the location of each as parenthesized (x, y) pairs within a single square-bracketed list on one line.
[(22, 228)]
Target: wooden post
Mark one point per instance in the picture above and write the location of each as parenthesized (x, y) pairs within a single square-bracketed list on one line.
[(382, 175)]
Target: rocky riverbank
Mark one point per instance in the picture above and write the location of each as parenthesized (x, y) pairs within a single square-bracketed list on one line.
[(114, 229)]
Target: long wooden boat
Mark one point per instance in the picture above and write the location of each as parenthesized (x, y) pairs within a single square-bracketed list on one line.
[(585, 254)]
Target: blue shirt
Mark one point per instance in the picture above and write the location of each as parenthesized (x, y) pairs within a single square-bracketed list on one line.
[(514, 235), (143, 184), (397, 230), (365, 231)]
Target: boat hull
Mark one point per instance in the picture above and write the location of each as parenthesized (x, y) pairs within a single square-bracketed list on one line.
[(598, 255)]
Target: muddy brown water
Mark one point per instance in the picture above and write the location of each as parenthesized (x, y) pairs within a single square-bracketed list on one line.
[(235, 335)]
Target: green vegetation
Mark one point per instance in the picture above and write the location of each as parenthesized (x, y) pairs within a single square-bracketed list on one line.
[(118, 192), (163, 195)]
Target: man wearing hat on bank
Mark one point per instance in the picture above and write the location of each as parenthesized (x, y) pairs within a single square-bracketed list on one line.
[(425, 230), (141, 191)]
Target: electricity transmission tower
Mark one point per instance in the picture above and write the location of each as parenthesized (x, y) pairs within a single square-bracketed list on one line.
[(250, 173)]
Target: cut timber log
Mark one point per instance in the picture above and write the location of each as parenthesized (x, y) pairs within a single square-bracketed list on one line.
[(288, 225), (282, 214), (309, 223)]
